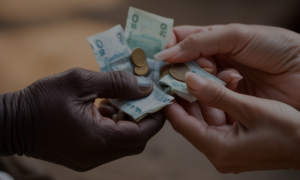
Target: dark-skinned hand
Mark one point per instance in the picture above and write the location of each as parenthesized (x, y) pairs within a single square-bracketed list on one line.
[(55, 119)]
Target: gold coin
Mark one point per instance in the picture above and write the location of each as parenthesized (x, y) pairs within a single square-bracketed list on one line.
[(177, 71), (141, 71), (164, 70), (138, 57)]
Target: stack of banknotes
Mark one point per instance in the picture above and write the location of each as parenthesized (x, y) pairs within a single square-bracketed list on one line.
[(151, 33)]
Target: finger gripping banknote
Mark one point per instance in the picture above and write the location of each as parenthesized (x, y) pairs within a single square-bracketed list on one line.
[(179, 87), (139, 108)]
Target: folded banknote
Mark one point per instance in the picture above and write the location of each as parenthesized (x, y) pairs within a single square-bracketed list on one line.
[(180, 88)]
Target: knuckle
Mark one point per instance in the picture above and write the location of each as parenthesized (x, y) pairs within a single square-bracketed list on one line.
[(222, 159), (76, 72), (177, 128), (237, 28), (120, 81), (79, 80), (76, 75), (192, 40), (130, 136), (223, 170), (80, 168), (219, 94), (239, 32), (221, 164), (139, 150)]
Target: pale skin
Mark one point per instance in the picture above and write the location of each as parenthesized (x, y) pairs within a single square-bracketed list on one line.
[(253, 123)]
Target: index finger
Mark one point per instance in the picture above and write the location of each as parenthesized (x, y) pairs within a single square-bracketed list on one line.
[(181, 32), (231, 40)]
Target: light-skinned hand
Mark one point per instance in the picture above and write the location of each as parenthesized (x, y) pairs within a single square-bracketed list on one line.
[(262, 106)]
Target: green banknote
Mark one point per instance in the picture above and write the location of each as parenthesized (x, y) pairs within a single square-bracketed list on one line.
[(147, 31)]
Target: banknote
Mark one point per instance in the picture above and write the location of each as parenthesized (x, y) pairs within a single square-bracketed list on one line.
[(180, 88), (149, 32), (177, 87), (140, 108), (154, 67), (111, 50), (198, 70)]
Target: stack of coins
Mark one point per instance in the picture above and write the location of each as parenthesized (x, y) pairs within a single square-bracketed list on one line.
[(177, 71), (139, 59)]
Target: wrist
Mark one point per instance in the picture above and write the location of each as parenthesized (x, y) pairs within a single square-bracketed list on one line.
[(15, 124)]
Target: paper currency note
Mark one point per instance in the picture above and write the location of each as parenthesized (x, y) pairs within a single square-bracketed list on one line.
[(149, 32), (177, 87), (198, 70), (180, 88), (140, 108), (154, 67), (111, 50)]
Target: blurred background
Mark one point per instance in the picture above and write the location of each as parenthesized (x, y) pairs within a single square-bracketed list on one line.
[(41, 38)]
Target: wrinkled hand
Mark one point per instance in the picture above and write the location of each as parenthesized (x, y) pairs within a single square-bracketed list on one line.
[(55, 119), (265, 135)]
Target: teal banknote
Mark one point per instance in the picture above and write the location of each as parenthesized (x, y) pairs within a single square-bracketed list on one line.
[(147, 31), (180, 88), (111, 50), (139, 108)]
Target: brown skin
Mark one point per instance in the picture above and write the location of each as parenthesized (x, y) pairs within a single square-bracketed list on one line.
[(55, 120)]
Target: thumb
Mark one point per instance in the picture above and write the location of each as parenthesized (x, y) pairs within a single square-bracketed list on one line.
[(215, 94), (121, 85)]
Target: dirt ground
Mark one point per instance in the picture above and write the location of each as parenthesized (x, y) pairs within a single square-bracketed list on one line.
[(41, 38)]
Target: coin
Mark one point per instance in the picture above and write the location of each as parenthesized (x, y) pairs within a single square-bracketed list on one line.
[(164, 70), (141, 71), (138, 57), (177, 71)]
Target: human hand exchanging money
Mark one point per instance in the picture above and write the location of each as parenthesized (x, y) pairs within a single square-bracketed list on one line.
[(55, 119), (261, 107)]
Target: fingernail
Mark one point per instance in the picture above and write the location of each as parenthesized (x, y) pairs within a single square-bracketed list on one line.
[(235, 77), (194, 81), (144, 83), (167, 53), (209, 70)]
